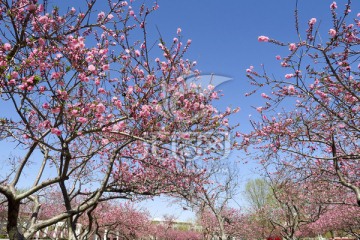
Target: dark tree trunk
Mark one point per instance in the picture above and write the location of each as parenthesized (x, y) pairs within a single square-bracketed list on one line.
[(12, 224)]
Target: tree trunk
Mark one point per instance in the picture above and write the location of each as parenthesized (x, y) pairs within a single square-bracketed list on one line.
[(12, 223), (71, 229)]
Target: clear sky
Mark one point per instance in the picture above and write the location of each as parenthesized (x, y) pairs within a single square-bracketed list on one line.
[(224, 42)]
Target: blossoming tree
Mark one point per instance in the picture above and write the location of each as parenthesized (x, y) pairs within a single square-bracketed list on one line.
[(92, 113), (211, 201), (310, 122)]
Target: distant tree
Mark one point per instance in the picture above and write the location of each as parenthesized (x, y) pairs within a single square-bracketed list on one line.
[(116, 219), (211, 201), (171, 229), (259, 195)]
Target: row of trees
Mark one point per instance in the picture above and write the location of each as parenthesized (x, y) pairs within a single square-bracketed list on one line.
[(277, 207), (293, 210), (114, 219)]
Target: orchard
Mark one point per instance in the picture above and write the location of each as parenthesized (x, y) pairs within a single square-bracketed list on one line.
[(100, 111)]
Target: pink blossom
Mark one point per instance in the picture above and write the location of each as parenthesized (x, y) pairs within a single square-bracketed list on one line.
[(214, 95), (30, 80), (110, 16), (12, 82), (333, 5), (145, 111), (22, 87), (289, 75), (55, 75), (91, 68), (225, 121), (56, 131), (7, 46), (105, 67), (284, 64), (14, 74), (137, 53), (42, 89), (211, 87), (278, 57), (250, 69), (312, 21), (82, 119), (74, 112), (130, 89), (41, 42), (55, 110), (45, 124), (101, 15), (180, 79), (178, 31), (43, 19), (31, 8), (332, 32), (101, 90), (46, 105), (263, 39), (100, 108), (291, 89), (131, 13), (264, 95), (185, 135), (292, 46)]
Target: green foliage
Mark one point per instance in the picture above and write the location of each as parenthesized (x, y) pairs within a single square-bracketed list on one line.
[(258, 193)]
